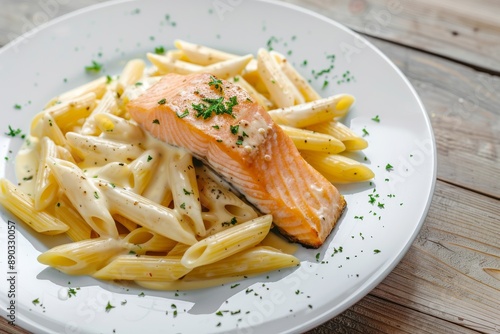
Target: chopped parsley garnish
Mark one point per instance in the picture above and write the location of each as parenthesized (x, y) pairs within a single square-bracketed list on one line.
[(365, 132), (234, 129), (71, 292), (109, 307), (17, 106), (376, 251), (376, 119), (160, 50), (108, 79), (36, 301), (142, 294), (235, 285), (232, 222), (95, 67), (156, 121), (150, 158), (14, 132), (184, 114), (162, 101), (389, 167), (96, 195), (187, 192), (216, 127), (217, 83), (216, 106), (183, 206), (239, 142)]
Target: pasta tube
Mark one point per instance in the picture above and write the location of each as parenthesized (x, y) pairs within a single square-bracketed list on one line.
[(302, 85), (22, 206), (200, 54), (96, 87), (339, 169), (185, 190), (282, 91), (227, 242), (131, 73), (85, 196), (313, 141), (45, 184), (149, 241), (147, 213), (245, 263), (83, 257), (310, 113), (143, 267), (351, 140)]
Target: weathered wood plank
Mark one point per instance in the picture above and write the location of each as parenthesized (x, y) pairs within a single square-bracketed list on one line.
[(464, 30), (463, 106), (373, 315), (445, 272)]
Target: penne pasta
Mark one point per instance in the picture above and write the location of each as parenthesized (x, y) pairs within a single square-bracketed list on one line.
[(142, 170), (23, 207), (228, 242), (85, 197), (98, 151), (283, 92), (310, 113), (339, 169), (78, 227), (227, 68), (200, 54), (131, 73), (302, 85), (166, 64), (313, 141), (45, 184), (83, 257), (245, 263), (68, 113), (144, 268), (185, 192), (107, 104), (146, 213), (149, 241), (351, 140)]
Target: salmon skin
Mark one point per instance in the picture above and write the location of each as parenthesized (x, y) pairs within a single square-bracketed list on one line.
[(219, 124)]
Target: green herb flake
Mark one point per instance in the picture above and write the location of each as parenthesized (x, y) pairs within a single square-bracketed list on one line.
[(17, 106), (234, 129), (235, 285), (109, 307), (96, 195), (13, 132), (376, 119), (156, 121), (142, 294), (376, 251), (162, 101), (216, 106), (365, 132), (95, 67), (160, 50), (216, 83), (150, 158), (239, 142), (186, 192), (36, 301), (389, 167), (183, 206), (216, 127), (71, 292), (184, 114), (109, 79)]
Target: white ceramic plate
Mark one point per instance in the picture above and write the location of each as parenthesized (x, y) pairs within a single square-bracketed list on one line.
[(373, 239)]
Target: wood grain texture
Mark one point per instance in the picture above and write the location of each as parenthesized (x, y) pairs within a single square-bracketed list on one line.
[(463, 107), (462, 30)]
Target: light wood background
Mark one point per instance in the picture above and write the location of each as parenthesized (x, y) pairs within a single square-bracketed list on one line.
[(449, 281)]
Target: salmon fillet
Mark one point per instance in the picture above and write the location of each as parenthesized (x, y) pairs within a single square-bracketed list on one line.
[(219, 123)]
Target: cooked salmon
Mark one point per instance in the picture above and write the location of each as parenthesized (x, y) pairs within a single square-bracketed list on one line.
[(219, 123)]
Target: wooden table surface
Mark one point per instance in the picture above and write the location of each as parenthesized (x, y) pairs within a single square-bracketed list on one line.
[(449, 281)]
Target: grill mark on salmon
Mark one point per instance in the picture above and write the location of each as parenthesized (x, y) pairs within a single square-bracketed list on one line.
[(246, 148)]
